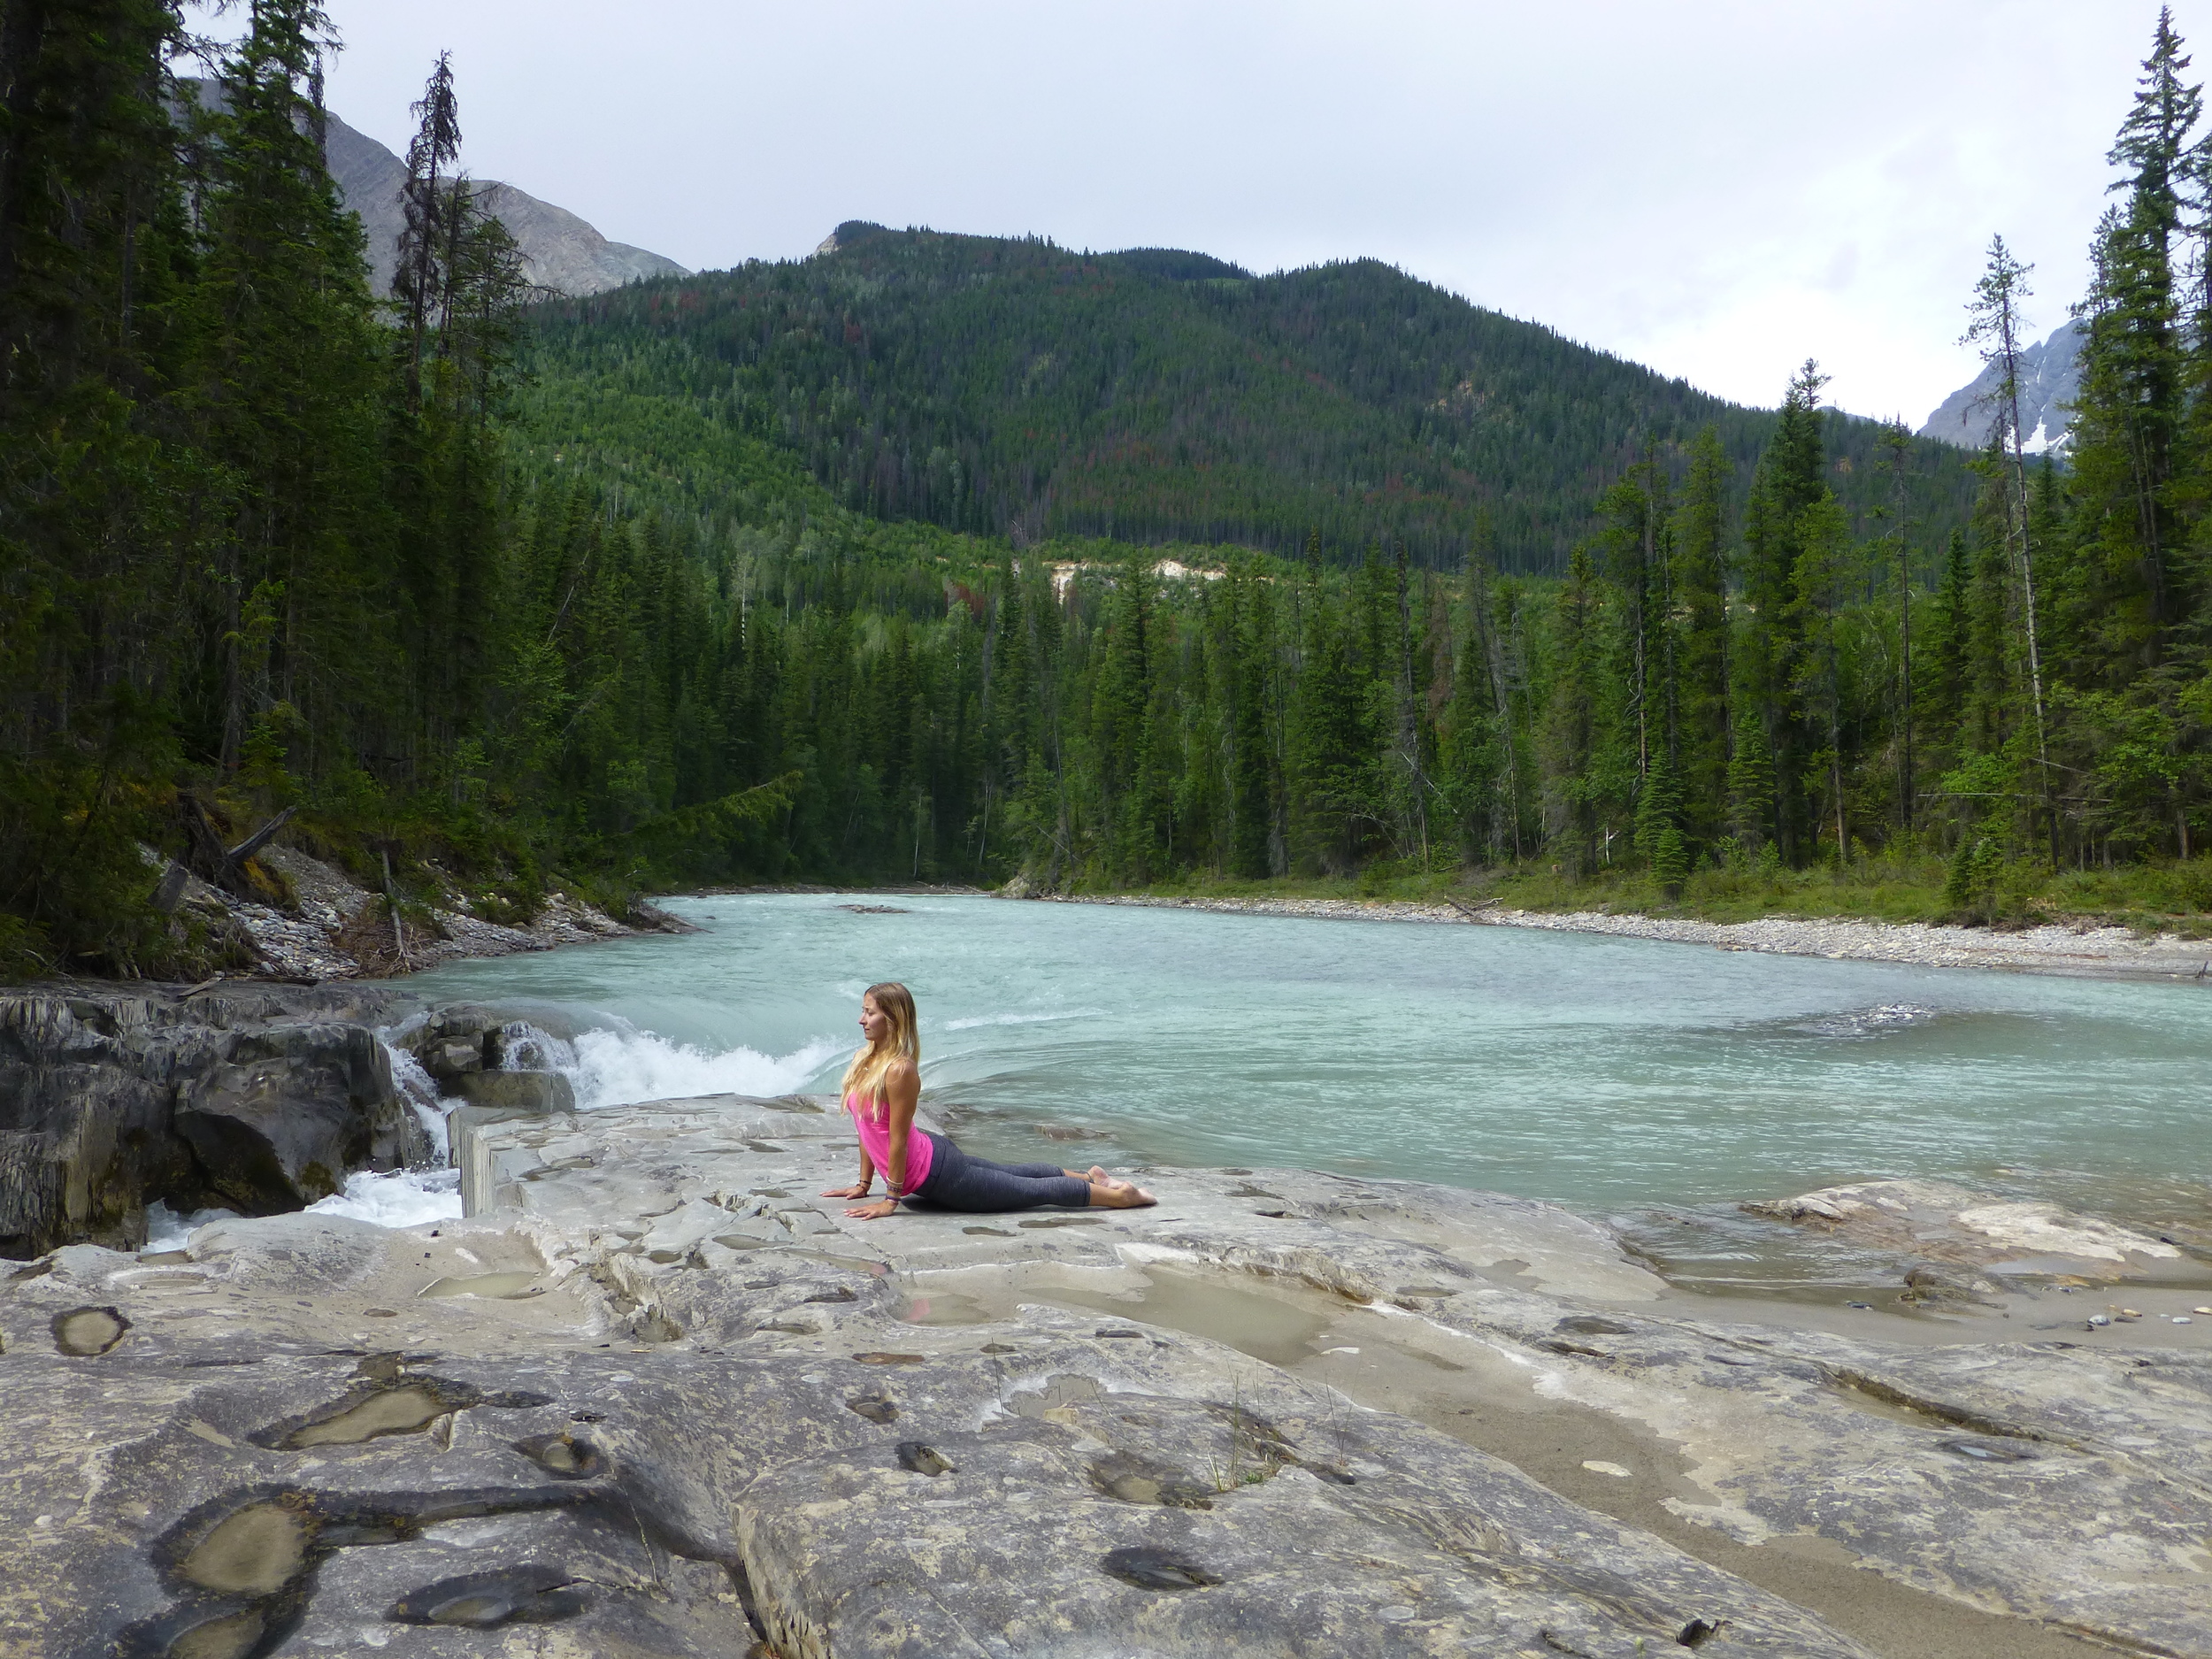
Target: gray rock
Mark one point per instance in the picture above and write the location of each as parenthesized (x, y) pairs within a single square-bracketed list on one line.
[(655, 1397), (85, 1130), (523, 1473), (246, 1093), (293, 1112), (538, 1092), (1954, 1224)]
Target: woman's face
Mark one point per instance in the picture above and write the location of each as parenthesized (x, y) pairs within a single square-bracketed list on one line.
[(875, 1025)]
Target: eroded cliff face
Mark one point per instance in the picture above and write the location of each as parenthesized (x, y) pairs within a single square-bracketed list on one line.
[(258, 1098), (656, 1396)]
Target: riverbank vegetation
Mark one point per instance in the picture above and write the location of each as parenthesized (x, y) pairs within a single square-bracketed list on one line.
[(836, 571)]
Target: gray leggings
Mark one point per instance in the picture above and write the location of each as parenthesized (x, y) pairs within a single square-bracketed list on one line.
[(960, 1181)]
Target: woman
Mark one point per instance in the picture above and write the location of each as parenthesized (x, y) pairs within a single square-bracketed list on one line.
[(882, 1087)]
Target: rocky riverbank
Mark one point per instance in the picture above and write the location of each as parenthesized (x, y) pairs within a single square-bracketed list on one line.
[(333, 929), (251, 1097), (656, 1397), (2095, 952)]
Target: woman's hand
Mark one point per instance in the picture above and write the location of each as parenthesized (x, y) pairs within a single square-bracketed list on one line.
[(858, 1189), (876, 1211)]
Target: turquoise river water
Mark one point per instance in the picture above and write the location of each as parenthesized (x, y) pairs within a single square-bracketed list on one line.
[(1614, 1075)]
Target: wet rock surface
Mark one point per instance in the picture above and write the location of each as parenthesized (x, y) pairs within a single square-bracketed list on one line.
[(1954, 1226), (654, 1398)]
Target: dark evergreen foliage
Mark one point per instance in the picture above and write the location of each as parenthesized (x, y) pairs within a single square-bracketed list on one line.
[(1015, 388)]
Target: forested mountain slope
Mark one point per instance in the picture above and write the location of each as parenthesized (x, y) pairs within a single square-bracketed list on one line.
[(1015, 388)]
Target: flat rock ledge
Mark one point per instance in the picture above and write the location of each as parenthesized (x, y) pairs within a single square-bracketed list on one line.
[(2085, 952), (656, 1397)]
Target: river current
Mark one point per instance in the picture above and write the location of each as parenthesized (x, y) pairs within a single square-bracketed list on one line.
[(1610, 1074)]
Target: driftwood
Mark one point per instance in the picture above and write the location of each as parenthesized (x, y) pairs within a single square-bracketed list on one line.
[(1473, 912), (391, 903), (222, 866), (169, 891)]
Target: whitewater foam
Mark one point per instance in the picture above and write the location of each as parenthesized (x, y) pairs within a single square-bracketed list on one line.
[(624, 1065), (419, 1092), (167, 1230), (404, 1198)]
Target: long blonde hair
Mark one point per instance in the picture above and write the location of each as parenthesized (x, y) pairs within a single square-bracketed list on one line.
[(872, 1060)]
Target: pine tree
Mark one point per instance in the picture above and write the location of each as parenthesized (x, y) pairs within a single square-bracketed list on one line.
[(1251, 811), (429, 202), (1751, 789), (1896, 452), (1791, 477), (1996, 329), (2132, 371), (1571, 734), (1700, 582)]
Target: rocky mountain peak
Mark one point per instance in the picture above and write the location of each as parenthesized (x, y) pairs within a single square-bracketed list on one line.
[(2050, 379), (560, 252)]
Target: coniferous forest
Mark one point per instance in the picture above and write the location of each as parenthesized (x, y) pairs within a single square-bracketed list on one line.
[(954, 558)]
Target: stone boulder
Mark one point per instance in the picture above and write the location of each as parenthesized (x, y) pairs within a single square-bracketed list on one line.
[(256, 1096), (1943, 1222), (519, 1091), (85, 1128), (292, 1112)]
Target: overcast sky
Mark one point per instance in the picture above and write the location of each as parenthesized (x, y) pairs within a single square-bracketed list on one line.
[(1717, 189)]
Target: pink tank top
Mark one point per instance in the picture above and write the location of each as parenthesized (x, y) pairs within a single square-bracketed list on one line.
[(875, 1140)]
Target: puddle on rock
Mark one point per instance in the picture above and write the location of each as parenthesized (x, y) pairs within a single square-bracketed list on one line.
[(489, 1286), (944, 1307), (388, 1411), (87, 1332), (1133, 1477), (230, 1636), (255, 1551), (484, 1600), (563, 1456), (1275, 1329), (386, 1406), (1154, 1569)]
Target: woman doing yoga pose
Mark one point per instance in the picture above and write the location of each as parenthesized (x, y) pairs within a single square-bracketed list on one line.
[(882, 1087)]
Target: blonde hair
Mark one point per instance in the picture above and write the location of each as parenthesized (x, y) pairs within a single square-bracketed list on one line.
[(870, 1062)]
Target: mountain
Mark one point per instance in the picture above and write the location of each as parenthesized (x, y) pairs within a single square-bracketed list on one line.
[(1014, 387), (2050, 379), (560, 252)]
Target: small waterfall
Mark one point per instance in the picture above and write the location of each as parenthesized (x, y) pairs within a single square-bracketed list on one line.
[(421, 1094)]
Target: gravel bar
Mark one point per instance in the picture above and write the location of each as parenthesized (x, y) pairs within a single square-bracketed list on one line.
[(2090, 952)]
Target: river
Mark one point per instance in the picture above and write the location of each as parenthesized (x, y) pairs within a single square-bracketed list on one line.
[(1613, 1075)]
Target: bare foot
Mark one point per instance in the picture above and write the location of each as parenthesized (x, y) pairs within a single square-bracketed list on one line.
[(1096, 1176), (1118, 1195)]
